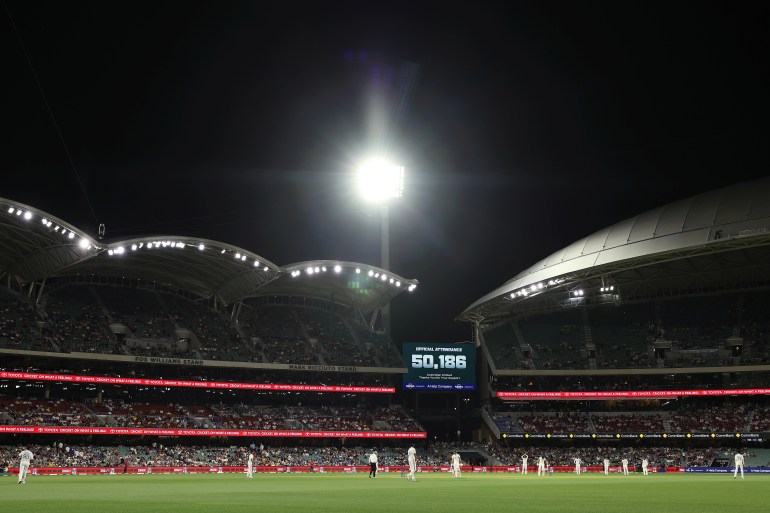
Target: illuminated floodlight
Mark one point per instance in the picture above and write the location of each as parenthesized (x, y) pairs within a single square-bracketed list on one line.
[(18, 212), (384, 277), (243, 258), (358, 271), (83, 243), (398, 284), (533, 288), (256, 263), (309, 270), (337, 268), (379, 180), (513, 295), (392, 280), (71, 235), (10, 210), (237, 256), (133, 247), (540, 285), (201, 247), (371, 273), (120, 250), (266, 269), (110, 252), (28, 215)]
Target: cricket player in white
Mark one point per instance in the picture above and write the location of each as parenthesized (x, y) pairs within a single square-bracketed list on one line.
[(524, 459), (540, 466), (411, 457), (644, 466), (456, 464), (25, 457), (250, 465), (577, 465), (606, 466), (373, 464), (624, 461), (738, 464)]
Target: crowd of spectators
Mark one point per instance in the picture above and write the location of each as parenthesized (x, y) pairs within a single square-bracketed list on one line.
[(176, 416), (135, 322)]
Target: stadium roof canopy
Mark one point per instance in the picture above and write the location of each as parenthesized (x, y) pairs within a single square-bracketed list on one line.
[(38, 249), (715, 241)]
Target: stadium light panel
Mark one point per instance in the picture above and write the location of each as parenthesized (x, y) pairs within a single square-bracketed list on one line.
[(201, 247), (337, 268), (133, 247), (371, 273), (266, 269), (379, 180), (110, 252), (27, 215), (18, 212), (358, 271), (71, 235), (398, 284), (83, 243), (10, 210)]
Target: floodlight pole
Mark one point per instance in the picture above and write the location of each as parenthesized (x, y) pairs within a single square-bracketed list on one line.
[(385, 261)]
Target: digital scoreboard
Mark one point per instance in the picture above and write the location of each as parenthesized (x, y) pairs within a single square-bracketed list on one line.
[(439, 366)]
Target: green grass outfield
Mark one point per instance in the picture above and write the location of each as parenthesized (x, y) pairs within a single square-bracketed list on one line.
[(389, 493)]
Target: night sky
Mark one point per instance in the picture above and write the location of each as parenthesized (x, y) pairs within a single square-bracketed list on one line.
[(523, 126)]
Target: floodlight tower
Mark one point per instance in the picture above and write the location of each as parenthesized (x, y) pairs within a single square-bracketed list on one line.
[(379, 182)]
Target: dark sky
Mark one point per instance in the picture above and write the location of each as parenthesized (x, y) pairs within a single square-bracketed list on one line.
[(523, 126)]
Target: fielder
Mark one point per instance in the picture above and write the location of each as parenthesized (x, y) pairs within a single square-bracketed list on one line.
[(577, 465), (606, 466), (540, 466), (25, 457), (738, 464), (411, 457), (644, 466), (250, 465), (524, 459), (456, 464), (624, 461)]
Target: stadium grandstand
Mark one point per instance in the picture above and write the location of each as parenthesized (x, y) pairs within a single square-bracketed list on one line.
[(162, 335), (655, 328), (648, 338)]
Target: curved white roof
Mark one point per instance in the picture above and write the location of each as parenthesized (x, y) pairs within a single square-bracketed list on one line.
[(36, 246), (740, 210)]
